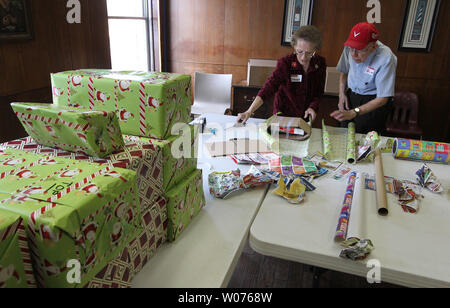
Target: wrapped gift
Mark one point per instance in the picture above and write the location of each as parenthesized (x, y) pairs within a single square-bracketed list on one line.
[(94, 133), (15, 261), (76, 213), (147, 104), (178, 156), (185, 201), (142, 157), (120, 272)]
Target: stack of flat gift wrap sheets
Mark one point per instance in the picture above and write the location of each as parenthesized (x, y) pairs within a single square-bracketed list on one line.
[(78, 218)]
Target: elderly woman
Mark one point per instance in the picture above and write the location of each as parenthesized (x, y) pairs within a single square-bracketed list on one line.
[(298, 81)]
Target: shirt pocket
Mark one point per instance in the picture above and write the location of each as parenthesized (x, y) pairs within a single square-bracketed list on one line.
[(367, 81)]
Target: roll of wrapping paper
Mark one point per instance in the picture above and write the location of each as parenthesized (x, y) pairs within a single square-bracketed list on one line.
[(326, 141), (421, 150), (344, 217), (380, 185), (351, 145), (355, 226)]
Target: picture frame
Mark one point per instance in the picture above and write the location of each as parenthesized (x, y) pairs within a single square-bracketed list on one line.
[(419, 25), (15, 20), (297, 13)]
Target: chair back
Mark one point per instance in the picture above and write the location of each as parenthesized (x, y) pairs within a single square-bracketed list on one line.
[(405, 108), (212, 88)]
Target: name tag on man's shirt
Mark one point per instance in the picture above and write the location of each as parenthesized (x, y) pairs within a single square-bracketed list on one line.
[(296, 78), (370, 71)]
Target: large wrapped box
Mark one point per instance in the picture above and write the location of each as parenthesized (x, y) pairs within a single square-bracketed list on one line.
[(79, 215), (140, 156), (147, 104), (120, 272), (15, 260), (94, 133), (185, 201), (179, 157)]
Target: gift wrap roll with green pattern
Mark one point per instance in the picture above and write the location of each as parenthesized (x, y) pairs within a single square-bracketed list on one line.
[(351, 143), (79, 130), (75, 213), (326, 141), (147, 104), (409, 149)]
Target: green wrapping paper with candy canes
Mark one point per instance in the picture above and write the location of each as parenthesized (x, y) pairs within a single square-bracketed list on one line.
[(351, 143), (15, 260), (73, 210), (326, 141), (80, 130), (185, 201), (147, 104)]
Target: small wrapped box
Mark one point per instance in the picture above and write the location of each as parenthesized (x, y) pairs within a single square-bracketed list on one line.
[(185, 201), (94, 133), (75, 213), (147, 104), (15, 260)]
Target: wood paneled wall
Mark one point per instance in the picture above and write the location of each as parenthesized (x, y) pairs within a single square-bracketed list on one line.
[(25, 66), (219, 36)]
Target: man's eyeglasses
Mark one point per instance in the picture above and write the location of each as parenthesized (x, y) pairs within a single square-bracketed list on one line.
[(308, 54), (362, 51)]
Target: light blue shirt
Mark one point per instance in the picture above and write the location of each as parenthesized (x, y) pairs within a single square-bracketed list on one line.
[(374, 76)]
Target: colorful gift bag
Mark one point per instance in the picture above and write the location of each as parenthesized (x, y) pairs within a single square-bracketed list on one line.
[(185, 201), (15, 260), (142, 157), (76, 213), (94, 133), (147, 104)]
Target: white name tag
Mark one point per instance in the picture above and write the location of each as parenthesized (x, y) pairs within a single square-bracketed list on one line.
[(296, 78), (370, 71)]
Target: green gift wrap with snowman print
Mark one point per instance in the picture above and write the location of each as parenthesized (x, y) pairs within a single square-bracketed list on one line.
[(78, 215), (93, 133), (147, 104), (185, 201), (15, 260)]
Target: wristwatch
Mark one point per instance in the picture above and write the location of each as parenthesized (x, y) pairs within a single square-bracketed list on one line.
[(357, 110)]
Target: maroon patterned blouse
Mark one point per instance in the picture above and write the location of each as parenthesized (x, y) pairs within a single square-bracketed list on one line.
[(294, 98)]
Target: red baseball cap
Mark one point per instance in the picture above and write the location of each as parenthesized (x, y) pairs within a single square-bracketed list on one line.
[(361, 35)]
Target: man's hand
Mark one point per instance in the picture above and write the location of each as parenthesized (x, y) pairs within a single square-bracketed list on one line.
[(343, 115), (343, 102), (312, 113)]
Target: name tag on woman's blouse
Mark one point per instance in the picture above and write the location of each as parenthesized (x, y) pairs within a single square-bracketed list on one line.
[(296, 78)]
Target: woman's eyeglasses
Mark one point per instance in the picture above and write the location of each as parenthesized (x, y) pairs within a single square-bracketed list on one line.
[(308, 54)]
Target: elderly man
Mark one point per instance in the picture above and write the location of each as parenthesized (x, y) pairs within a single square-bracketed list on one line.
[(368, 70)]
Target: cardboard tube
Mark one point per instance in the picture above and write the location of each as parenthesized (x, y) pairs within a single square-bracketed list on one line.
[(380, 185)]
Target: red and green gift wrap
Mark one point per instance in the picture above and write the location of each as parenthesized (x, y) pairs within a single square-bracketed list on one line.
[(74, 211), (80, 130), (15, 261), (185, 201), (178, 156), (140, 156), (409, 149), (120, 272), (147, 104)]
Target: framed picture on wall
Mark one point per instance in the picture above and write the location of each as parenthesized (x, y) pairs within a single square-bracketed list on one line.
[(419, 25), (15, 20), (297, 13)]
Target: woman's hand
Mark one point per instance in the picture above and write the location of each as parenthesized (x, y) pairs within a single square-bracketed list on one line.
[(343, 102), (312, 113), (243, 117), (343, 115)]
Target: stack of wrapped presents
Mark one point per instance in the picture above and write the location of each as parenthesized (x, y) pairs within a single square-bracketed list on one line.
[(107, 175)]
